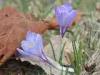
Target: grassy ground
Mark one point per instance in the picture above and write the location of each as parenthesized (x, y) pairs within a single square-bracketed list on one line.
[(87, 34)]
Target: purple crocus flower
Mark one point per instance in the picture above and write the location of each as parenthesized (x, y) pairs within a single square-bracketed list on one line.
[(32, 47), (65, 16)]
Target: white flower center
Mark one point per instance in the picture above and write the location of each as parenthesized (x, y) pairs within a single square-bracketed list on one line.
[(31, 45)]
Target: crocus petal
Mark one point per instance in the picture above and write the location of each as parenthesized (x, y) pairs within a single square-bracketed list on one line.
[(30, 36), (65, 16), (63, 8), (61, 17), (67, 7), (68, 23), (71, 18), (40, 42), (27, 55), (22, 53), (31, 47), (62, 13), (26, 45)]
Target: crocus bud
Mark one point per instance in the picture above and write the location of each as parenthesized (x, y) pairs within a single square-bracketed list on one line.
[(65, 16)]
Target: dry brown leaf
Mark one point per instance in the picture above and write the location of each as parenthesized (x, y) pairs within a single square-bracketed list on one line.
[(13, 27)]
